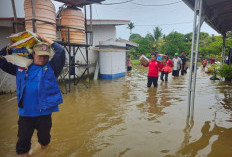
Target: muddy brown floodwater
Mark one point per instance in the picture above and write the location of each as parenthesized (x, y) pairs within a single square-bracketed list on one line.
[(123, 118)]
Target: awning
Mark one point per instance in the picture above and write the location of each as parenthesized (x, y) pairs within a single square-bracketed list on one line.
[(218, 13)]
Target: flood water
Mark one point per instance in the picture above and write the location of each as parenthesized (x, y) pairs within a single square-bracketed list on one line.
[(123, 118)]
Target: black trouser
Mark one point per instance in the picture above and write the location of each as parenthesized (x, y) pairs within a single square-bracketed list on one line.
[(175, 73), (151, 80), (162, 76), (26, 126), (183, 72), (129, 68)]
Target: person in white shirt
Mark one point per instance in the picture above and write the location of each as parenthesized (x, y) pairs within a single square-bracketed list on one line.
[(177, 62)]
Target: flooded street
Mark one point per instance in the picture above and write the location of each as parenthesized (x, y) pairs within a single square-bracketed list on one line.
[(124, 118)]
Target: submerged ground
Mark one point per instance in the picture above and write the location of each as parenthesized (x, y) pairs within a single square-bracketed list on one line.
[(123, 118)]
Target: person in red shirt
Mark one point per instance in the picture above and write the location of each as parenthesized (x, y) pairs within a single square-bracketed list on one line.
[(153, 72), (164, 71), (204, 63), (212, 61)]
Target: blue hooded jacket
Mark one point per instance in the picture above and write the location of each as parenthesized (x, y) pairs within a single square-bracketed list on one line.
[(37, 91)]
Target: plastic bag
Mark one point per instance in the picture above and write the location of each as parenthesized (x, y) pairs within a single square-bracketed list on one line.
[(21, 51), (23, 39), (19, 60), (167, 69), (27, 42), (19, 36)]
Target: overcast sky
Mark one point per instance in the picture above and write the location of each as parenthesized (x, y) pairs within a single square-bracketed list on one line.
[(176, 17)]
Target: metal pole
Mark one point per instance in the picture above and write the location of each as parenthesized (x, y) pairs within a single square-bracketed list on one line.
[(86, 48), (196, 56), (73, 64), (86, 34), (69, 62), (191, 60), (33, 16), (15, 16), (223, 49), (91, 25)]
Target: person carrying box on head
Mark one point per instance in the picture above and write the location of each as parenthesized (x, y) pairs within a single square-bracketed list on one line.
[(38, 93), (153, 72)]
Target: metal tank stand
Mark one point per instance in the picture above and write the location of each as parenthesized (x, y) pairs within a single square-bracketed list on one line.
[(72, 49)]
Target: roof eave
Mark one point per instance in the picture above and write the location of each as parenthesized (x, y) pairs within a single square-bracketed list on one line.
[(207, 20)]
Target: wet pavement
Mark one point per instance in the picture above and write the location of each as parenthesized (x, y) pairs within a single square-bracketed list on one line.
[(124, 118)]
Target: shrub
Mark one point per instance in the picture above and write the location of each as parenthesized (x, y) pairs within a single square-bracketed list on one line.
[(225, 71)]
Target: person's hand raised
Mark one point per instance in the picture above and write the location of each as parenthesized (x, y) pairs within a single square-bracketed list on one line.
[(44, 38)]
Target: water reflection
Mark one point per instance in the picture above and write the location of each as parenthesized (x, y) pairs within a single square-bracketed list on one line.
[(210, 133), (226, 90)]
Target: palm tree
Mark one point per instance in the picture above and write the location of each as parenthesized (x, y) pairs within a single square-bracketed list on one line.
[(157, 35), (130, 27)]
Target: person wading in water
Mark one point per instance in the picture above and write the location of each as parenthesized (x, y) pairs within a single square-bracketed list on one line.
[(38, 93)]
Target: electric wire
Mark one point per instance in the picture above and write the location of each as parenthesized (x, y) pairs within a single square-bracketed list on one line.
[(116, 3), (155, 5), (165, 24), (145, 5)]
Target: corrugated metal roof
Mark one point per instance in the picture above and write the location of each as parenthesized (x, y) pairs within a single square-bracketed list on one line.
[(218, 13), (79, 2)]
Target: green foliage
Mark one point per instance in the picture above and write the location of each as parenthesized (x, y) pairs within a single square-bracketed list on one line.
[(135, 62), (188, 37), (134, 37), (175, 42), (131, 26), (150, 37), (155, 38), (203, 35), (225, 71), (209, 46), (145, 47), (148, 44), (212, 46), (229, 34), (164, 37), (157, 33), (214, 70)]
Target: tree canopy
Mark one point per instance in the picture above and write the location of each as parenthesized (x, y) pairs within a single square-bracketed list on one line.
[(134, 37), (177, 42)]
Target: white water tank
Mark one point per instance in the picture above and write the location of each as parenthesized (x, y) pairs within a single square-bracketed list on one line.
[(112, 59)]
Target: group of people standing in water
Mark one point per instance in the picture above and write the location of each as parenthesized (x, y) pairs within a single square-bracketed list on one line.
[(165, 66)]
